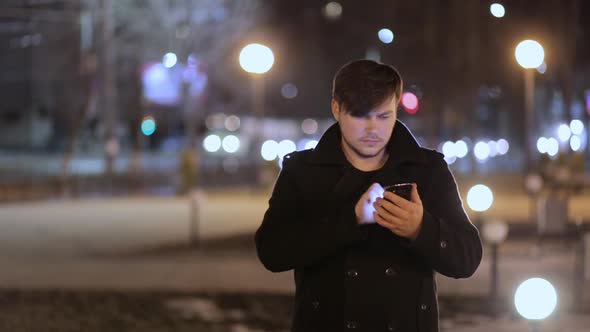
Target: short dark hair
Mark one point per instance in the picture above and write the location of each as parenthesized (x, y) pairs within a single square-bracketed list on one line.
[(361, 85)]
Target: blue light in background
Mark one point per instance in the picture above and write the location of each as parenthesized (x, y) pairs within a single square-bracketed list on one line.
[(385, 36), (148, 126)]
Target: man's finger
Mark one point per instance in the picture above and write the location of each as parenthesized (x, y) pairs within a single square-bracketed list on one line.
[(392, 208), (383, 222), (415, 195), (397, 200), (389, 218)]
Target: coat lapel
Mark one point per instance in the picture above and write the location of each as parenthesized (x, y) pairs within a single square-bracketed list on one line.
[(403, 150)]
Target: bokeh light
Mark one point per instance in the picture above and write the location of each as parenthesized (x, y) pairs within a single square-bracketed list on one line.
[(481, 151), (497, 10), (410, 102), (542, 145), (503, 146), (576, 127), (480, 198), (148, 126), (535, 299), (461, 149), (564, 133), (212, 143), (231, 144), (385, 36), (169, 60), (269, 150), (309, 126), (552, 147), (448, 149), (575, 143), (256, 58), (289, 91), (232, 123), (333, 10), (529, 54)]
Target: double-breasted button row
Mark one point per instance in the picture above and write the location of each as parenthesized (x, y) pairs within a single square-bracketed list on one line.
[(352, 273), (390, 272)]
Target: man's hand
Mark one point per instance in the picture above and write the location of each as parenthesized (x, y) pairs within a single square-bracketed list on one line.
[(402, 217), (364, 208)]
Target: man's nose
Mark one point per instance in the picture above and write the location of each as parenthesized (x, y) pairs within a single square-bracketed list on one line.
[(371, 124)]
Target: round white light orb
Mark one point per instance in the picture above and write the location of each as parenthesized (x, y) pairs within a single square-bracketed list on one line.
[(256, 58), (535, 299), (480, 198), (497, 10), (529, 54)]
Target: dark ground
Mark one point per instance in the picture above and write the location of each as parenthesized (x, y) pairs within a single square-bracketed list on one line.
[(162, 311), (57, 310)]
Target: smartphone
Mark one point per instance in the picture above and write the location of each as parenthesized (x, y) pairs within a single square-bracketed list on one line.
[(401, 189)]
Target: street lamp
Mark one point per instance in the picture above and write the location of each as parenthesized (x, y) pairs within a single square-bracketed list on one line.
[(529, 55), (480, 199), (535, 299), (494, 233), (257, 59)]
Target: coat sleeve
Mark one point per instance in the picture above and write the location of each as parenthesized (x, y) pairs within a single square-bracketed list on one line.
[(284, 241), (448, 240)]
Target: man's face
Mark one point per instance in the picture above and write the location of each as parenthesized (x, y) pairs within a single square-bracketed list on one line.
[(367, 136)]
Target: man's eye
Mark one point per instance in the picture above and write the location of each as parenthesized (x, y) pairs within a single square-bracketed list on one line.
[(385, 116)]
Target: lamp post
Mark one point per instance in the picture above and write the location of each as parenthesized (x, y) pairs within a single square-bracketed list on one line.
[(494, 233), (480, 199), (257, 59), (529, 55), (535, 299)]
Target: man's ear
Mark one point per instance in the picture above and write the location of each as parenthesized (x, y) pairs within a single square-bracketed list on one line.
[(335, 110)]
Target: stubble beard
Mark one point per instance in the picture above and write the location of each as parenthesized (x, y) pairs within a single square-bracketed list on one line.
[(359, 152)]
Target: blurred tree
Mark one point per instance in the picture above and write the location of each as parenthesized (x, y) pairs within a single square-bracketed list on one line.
[(133, 32)]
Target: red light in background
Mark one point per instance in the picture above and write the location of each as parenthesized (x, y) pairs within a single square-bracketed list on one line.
[(410, 102)]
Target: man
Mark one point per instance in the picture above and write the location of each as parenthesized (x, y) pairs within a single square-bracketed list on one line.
[(365, 259)]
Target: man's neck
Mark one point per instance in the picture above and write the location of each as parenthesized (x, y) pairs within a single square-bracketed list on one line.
[(364, 164)]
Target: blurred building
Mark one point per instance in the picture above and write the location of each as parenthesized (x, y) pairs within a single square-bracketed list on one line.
[(455, 56), (40, 85)]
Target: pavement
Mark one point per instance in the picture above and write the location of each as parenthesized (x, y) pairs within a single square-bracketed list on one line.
[(150, 243)]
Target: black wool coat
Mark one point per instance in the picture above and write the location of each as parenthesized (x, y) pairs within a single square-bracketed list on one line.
[(364, 278)]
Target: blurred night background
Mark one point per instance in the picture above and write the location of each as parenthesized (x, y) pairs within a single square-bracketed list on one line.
[(140, 140)]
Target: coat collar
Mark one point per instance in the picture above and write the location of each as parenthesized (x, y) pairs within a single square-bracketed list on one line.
[(402, 147)]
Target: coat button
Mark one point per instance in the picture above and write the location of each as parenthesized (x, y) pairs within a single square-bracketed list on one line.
[(351, 325), (423, 307), (391, 327), (443, 244), (391, 272), (352, 273), (315, 305)]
